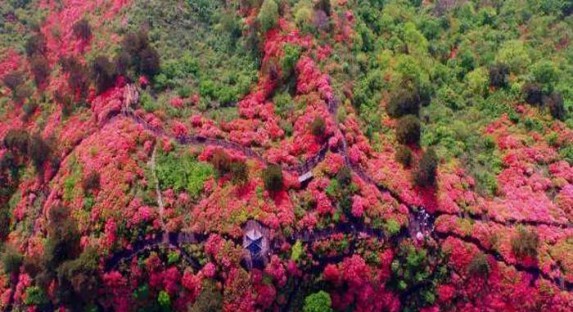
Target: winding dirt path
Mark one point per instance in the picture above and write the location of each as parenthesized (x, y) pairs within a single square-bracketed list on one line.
[(160, 204)]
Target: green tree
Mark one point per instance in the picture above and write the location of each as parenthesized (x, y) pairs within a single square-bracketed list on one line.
[(81, 276), (408, 130), (35, 296), (318, 302), (318, 127), (11, 260), (545, 73), (403, 103), (164, 300), (498, 75), (63, 238), (344, 176), (525, 243), (425, 174), (239, 172), (82, 29), (209, 300), (478, 81), (268, 15), (40, 69), (102, 73), (532, 93), (479, 265), (555, 104), (288, 62), (515, 55), (39, 151), (273, 178), (403, 155)]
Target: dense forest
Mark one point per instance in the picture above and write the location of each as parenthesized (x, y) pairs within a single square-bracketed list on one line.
[(286, 155)]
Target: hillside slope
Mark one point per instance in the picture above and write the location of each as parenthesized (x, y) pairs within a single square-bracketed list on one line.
[(310, 155)]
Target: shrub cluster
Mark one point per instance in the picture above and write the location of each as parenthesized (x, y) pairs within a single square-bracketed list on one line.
[(288, 62), (40, 69), (82, 29), (425, 174), (221, 162), (317, 302), (15, 81), (479, 266), (138, 55), (344, 176), (78, 78), (91, 182), (408, 130), (554, 102), (525, 243), (405, 102), (103, 73), (498, 75), (11, 260), (63, 238), (39, 151), (224, 165), (268, 15), (405, 105), (36, 51), (318, 127), (534, 94), (33, 146), (273, 178), (403, 155), (36, 45), (16, 140)]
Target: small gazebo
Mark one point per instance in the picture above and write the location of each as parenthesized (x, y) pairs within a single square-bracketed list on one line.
[(255, 245)]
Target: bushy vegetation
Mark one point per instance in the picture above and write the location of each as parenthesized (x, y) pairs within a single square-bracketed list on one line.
[(268, 15), (403, 155), (32, 146), (36, 45), (318, 302), (465, 87), (405, 102), (416, 268), (408, 130), (82, 29), (103, 73), (498, 75), (11, 260), (182, 173), (217, 62), (273, 178), (16, 82), (78, 79), (425, 174), (91, 182), (224, 165), (40, 69), (209, 300), (318, 127), (479, 266), (525, 243), (141, 57)]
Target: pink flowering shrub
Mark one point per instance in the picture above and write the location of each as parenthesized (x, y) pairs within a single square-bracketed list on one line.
[(359, 285)]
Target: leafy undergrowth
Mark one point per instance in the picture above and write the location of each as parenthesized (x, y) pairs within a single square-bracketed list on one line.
[(437, 135)]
